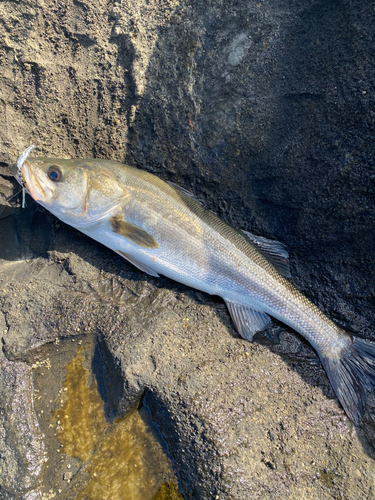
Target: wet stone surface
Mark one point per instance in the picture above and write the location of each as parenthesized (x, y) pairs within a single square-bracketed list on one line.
[(89, 453), (266, 112), (238, 419)]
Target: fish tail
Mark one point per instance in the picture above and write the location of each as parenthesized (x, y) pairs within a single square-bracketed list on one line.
[(352, 374)]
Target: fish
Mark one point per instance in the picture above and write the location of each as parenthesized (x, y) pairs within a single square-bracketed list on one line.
[(163, 229)]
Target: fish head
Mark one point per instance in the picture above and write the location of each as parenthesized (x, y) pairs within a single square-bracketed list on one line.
[(79, 192)]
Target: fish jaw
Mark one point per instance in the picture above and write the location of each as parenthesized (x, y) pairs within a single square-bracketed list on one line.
[(39, 191)]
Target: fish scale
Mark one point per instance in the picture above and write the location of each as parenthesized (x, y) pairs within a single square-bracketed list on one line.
[(162, 229)]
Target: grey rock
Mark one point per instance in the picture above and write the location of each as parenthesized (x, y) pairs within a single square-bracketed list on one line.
[(68, 476), (21, 442)]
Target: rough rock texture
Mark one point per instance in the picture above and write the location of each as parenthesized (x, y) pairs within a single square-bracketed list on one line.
[(266, 111)]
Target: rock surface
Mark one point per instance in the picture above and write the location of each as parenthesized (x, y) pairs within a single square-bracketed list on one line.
[(264, 110)]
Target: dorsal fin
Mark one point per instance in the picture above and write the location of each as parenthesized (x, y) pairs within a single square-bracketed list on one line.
[(187, 193), (274, 251)]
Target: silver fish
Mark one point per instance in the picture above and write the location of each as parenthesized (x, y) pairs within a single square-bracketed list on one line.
[(162, 229)]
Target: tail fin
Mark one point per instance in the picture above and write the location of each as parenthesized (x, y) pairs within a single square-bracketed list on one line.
[(352, 375)]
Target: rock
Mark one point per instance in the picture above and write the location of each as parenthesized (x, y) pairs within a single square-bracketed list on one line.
[(264, 112), (68, 476), (21, 442)]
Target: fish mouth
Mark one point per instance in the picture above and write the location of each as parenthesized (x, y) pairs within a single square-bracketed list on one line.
[(32, 184), (23, 173)]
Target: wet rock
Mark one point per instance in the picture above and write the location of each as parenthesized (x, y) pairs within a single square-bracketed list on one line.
[(21, 442), (68, 476), (238, 418)]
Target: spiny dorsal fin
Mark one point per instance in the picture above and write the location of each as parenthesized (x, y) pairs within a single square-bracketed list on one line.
[(274, 251), (133, 233), (140, 265), (247, 321), (187, 193)]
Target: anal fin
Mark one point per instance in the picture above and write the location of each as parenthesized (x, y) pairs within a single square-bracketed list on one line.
[(140, 265), (247, 321)]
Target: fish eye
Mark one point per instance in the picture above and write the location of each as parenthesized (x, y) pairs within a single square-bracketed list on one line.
[(54, 173)]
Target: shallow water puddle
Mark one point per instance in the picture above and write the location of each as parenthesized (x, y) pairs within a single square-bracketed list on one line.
[(93, 458)]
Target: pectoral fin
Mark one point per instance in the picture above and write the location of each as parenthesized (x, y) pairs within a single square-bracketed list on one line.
[(139, 265), (133, 233), (247, 321)]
